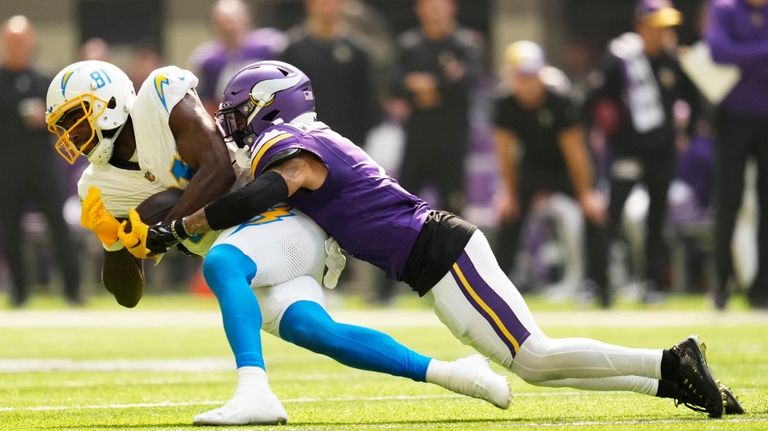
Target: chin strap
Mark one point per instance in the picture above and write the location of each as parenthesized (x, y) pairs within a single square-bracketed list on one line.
[(102, 152)]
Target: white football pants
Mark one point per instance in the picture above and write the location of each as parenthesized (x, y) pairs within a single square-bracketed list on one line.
[(483, 309)]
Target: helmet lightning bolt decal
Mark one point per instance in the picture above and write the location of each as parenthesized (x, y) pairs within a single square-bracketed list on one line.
[(160, 80), (65, 80)]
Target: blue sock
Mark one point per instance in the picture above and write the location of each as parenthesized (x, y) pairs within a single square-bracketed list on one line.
[(228, 272), (308, 325)]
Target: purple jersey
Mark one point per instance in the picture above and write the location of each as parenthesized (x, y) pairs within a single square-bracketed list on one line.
[(367, 211), (737, 35), (214, 64)]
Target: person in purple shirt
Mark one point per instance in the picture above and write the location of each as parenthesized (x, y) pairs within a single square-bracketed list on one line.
[(446, 260), (738, 35), (235, 46)]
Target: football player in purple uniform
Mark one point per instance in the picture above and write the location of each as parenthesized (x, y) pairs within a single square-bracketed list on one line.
[(269, 106)]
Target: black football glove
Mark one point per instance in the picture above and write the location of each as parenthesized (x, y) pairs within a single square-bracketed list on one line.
[(162, 236)]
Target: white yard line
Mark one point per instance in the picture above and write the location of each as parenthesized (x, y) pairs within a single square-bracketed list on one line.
[(228, 378), (303, 400), (377, 318), (175, 365), (219, 402), (198, 365)]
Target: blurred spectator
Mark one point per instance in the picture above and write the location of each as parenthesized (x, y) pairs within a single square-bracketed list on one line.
[(332, 54), (339, 67), (235, 46), (640, 83), (439, 63), (738, 35), (541, 152), (690, 218), (27, 167), (94, 49)]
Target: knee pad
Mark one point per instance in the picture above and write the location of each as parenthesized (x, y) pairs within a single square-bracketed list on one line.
[(224, 262), (529, 363), (276, 300), (301, 321)]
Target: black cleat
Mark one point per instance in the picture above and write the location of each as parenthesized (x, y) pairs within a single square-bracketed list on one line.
[(732, 404), (695, 378), (685, 398)]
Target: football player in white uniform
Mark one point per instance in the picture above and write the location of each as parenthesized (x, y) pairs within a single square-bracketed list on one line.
[(162, 137)]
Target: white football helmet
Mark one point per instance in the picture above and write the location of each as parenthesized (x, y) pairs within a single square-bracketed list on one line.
[(92, 90)]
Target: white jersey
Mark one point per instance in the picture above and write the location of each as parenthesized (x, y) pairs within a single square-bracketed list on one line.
[(283, 243), (160, 166)]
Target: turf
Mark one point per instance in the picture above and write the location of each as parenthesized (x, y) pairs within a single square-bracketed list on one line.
[(320, 394)]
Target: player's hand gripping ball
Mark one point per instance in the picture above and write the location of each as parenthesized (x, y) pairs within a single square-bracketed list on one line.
[(144, 234)]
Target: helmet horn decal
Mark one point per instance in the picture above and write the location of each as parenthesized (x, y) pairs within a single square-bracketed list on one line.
[(263, 92)]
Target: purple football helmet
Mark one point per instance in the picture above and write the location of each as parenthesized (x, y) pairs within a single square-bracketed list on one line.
[(258, 95)]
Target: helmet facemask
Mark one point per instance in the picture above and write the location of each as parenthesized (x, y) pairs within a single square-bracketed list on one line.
[(234, 123), (63, 124)]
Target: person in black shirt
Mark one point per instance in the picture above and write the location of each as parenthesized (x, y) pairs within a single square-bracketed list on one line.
[(340, 69), (640, 82), (26, 167), (737, 35), (439, 63), (541, 152)]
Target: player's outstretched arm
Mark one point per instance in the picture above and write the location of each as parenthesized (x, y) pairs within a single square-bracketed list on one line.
[(303, 171), (123, 276), (202, 148)]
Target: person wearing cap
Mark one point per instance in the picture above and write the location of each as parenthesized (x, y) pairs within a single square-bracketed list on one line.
[(641, 81), (738, 35), (542, 151)]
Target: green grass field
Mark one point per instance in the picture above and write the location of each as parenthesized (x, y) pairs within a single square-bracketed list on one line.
[(106, 368)]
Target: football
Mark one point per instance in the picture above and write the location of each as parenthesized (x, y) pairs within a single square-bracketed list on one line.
[(154, 208)]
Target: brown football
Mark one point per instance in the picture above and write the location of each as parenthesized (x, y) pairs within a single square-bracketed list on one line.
[(157, 206)]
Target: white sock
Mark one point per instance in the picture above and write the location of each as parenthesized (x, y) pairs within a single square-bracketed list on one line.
[(438, 372), (251, 380), (253, 403), (541, 359), (638, 384)]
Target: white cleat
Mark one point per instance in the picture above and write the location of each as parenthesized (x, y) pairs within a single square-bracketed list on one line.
[(472, 376), (261, 409)]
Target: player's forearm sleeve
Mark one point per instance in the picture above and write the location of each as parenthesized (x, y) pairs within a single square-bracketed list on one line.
[(239, 206)]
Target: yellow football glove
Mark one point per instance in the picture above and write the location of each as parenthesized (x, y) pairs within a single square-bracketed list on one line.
[(135, 240), (95, 217)]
